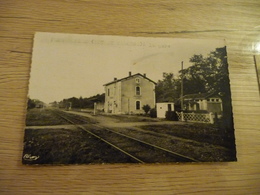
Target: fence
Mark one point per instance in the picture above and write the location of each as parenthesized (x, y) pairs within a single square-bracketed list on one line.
[(196, 117)]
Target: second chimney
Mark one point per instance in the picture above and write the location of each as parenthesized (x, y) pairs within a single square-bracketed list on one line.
[(130, 73), (144, 74)]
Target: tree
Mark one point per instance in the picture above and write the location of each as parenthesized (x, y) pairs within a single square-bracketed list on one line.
[(167, 89), (146, 108), (82, 102), (31, 103), (34, 103), (207, 74), (194, 76)]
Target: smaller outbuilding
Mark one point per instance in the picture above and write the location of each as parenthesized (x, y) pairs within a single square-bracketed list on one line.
[(163, 107), (210, 102)]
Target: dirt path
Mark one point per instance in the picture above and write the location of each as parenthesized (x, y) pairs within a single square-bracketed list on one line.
[(72, 127), (107, 121)]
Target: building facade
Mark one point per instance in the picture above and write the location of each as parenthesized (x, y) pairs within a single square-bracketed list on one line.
[(128, 95), (203, 101)]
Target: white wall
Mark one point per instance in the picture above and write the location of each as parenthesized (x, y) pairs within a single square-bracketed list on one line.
[(161, 108)]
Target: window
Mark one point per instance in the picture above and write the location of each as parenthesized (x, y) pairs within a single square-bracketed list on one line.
[(137, 105), (137, 90), (108, 92), (169, 107), (137, 80)]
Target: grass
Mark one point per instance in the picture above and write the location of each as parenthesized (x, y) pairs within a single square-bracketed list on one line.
[(63, 146), (42, 117), (52, 145), (47, 117), (131, 118), (206, 133)]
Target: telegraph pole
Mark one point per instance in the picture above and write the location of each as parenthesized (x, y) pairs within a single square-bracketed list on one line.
[(95, 108), (182, 85)]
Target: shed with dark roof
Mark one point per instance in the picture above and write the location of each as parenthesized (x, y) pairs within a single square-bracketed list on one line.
[(210, 102)]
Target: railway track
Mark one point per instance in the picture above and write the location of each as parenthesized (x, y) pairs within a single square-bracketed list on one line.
[(136, 149), (73, 118)]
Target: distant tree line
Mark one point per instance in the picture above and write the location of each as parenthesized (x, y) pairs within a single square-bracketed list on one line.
[(34, 103), (81, 102)]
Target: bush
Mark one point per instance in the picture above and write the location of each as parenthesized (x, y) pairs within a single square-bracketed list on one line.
[(153, 113), (31, 104), (171, 116), (196, 111), (146, 108)]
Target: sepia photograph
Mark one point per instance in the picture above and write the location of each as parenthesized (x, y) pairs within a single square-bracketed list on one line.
[(103, 99)]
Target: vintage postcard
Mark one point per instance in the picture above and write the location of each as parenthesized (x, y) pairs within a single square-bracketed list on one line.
[(113, 99)]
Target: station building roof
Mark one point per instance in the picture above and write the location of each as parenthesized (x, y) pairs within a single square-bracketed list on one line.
[(129, 77)]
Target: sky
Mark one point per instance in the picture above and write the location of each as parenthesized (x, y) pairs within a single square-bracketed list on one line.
[(73, 65)]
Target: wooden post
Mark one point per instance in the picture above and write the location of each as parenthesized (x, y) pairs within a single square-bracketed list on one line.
[(182, 86), (211, 118), (128, 105), (95, 107)]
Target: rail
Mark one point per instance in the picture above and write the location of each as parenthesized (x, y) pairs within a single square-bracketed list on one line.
[(181, 157)]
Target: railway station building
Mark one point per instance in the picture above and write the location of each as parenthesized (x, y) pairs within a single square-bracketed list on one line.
[(129, 94)]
